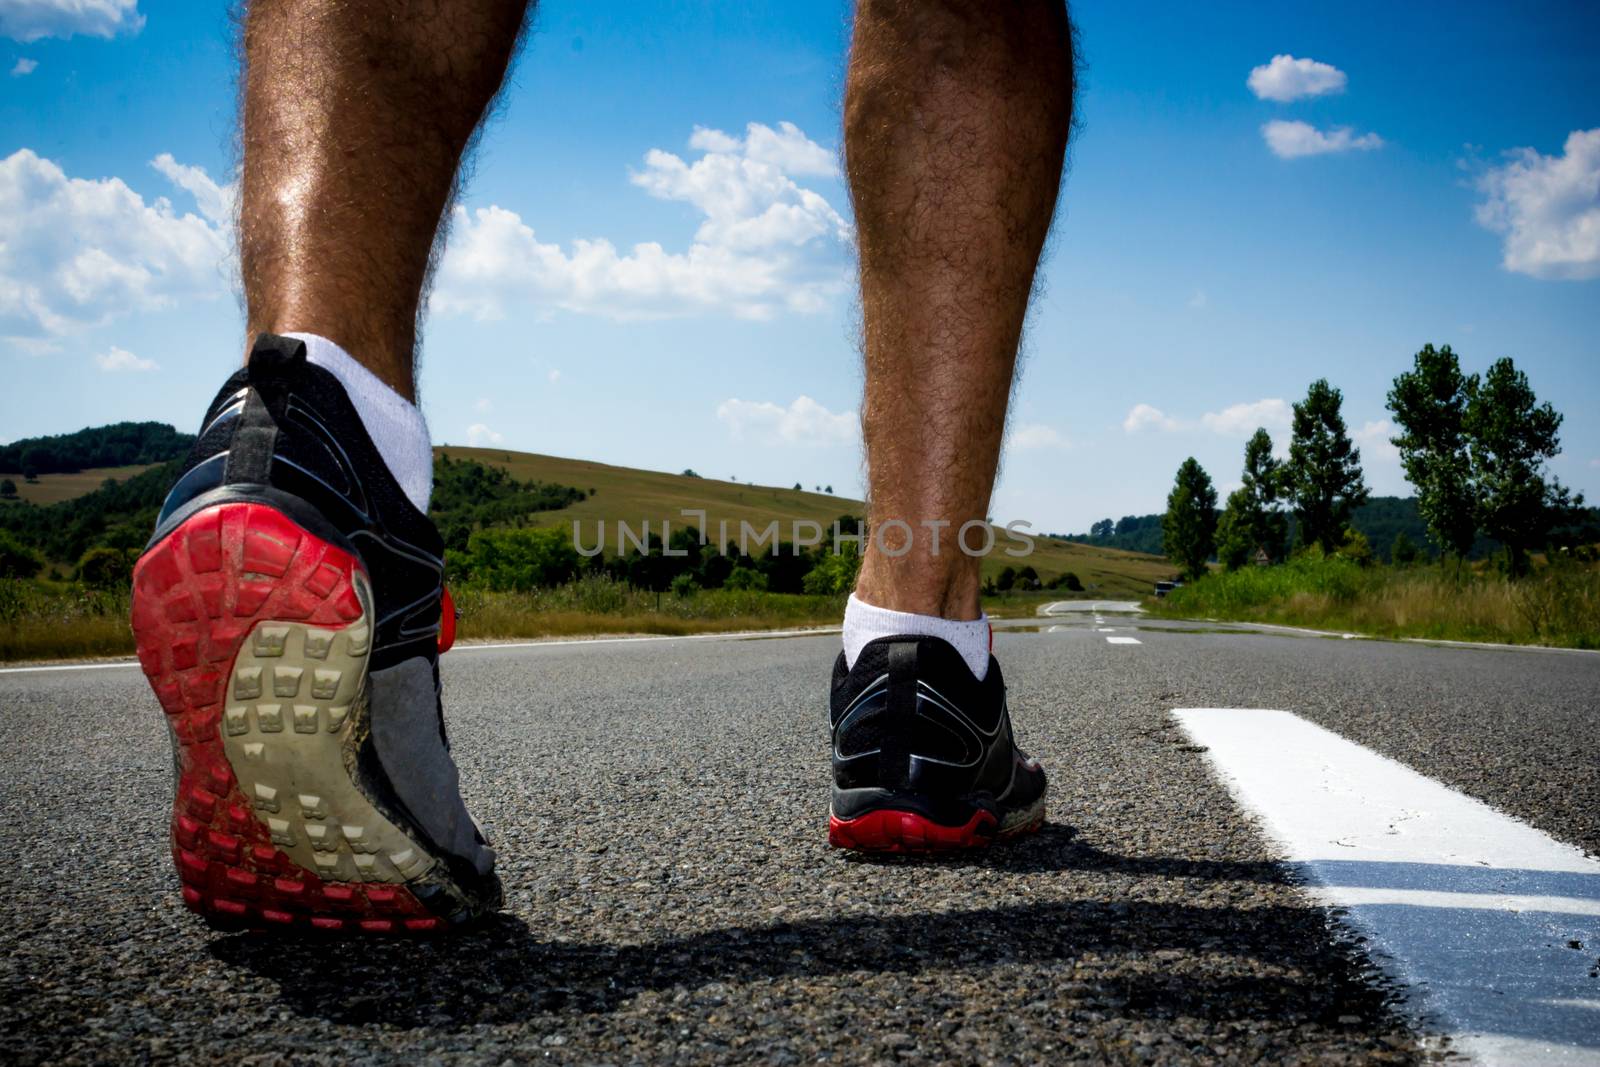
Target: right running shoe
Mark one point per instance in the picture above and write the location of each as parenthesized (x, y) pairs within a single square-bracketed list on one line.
[(287, 613), (923, 754)]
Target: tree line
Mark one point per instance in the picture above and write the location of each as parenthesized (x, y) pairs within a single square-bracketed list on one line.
[(1474, 447), (1389, 523), (485, 516), (121, 444)]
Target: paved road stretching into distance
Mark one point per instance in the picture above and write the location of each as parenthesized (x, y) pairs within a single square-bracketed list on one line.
[(659, 808)]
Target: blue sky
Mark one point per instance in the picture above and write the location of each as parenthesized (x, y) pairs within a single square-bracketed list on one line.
[(1399, 176)]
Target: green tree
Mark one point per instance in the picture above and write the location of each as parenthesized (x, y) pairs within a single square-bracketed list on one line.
[(1323, 475), (1263, 481), (1102, 530), (1068, 581), (1189, 527), (1236, 542), (834, 572), (1511, 436), (17, 560), (1429, 403), (1007, 579), (106, 568), (1403, 552), (742, 577), (521, 559), (8, 489), (1252, 519)]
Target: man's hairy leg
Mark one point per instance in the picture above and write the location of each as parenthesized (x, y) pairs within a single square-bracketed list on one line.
[(956, 119), (355, 120)]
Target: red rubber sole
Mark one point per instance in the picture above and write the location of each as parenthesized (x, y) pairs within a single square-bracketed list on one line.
[(904, 831), (196, 598)]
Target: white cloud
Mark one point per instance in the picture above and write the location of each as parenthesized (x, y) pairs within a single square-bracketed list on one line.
[(1199, 300), (766, 244), (483, 404), (1287, 78), (120, 359), (24, 67), (708, 140), (1146, 417), (804, 422), (1294, 139), (481, 436), (76, 252), (216, 202), (1373, 437), (788, 149), (1595, 463), (1548, 208), (29, 20), (1036, 435), (1235, 420), (1242, 420), (554, 376), (1380, 460)]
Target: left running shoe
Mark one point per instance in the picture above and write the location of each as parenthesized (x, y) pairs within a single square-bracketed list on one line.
[(924, 759), (288, 613)]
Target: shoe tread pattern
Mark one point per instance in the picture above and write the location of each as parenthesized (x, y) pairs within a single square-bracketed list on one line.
[(230, 612)]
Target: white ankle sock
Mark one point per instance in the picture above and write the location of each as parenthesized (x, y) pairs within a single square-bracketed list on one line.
[(864, 623), (394, 423)]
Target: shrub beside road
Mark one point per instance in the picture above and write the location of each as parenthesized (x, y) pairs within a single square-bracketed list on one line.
[(1557, 604)]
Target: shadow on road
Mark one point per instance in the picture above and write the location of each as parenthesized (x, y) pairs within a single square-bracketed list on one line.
[(1153, 960), (1057, 847)]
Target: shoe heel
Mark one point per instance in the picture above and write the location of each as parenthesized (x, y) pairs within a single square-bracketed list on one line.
[(254, 634), (891, 830), (897, 830)]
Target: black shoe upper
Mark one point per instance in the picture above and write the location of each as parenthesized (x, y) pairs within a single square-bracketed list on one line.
[(283, 431), (913, 727)]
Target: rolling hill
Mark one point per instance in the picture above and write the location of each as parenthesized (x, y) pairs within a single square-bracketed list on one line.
[(635, 496), (73, 511)]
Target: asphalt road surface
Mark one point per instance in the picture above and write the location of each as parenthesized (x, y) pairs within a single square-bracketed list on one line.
[(659, 808)]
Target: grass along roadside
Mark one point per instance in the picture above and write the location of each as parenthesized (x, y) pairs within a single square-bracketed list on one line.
[(1559, 604), (598, 605), (57, 620), (60, 620)]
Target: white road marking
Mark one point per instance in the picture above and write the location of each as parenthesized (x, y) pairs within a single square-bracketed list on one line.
[(636, 639), (1067, 607), (1106, 630), (1494, 925), (1123, 641), (70, 667)]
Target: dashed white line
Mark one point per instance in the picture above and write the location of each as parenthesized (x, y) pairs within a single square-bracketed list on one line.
[(1495, 926), (1123, 641)]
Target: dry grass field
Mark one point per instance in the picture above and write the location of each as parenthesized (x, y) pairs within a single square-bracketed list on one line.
[(54, 488)]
